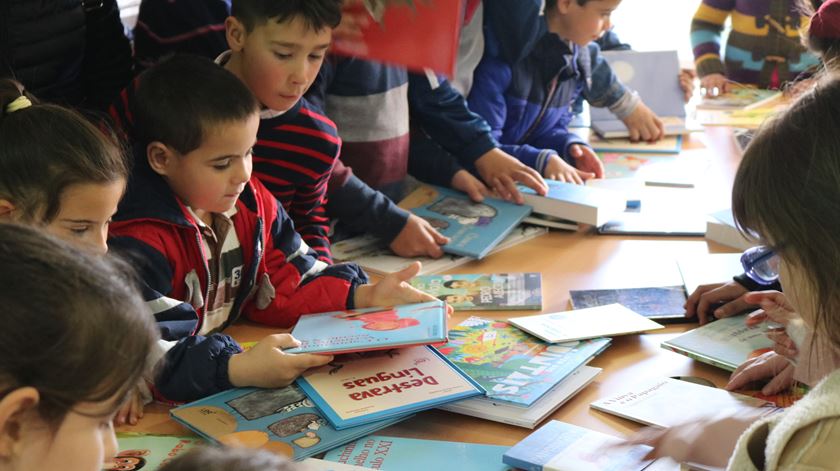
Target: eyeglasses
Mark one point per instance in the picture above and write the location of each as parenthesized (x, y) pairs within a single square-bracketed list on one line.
[(761, 264)]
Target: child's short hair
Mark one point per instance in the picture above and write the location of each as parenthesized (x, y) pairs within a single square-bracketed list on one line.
[(75, 328), (227, 459), (182, 97), (317, 14), (46, 149), (550, 4)]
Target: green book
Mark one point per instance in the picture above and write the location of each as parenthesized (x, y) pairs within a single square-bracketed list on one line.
[(141, 451), (725, 343), (493, 292)]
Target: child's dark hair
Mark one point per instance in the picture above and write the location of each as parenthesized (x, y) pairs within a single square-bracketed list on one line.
[(46, 149), (182, 97), (227, 459), (75, 328), (551, 4), (787, 190), (317, 14)]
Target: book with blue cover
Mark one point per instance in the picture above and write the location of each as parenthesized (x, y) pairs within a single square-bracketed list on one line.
[(375, 328), (359, 388), (472, 292), (576, 203), (511, 365), (661, 303), (281, 420), (142, 451), (473, 228), (410, 454)]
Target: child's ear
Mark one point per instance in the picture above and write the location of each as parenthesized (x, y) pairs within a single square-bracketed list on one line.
[(235, 33), (7, 210), (160, 157), (563, 6), (14, 408)]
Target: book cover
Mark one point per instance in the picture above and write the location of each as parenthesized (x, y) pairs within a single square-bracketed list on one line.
[(666, 145), (576, 203), (494, 292), (725, 343), (602, 321), (721, 228), (615, 129), (511, 365), (660, 303), (473, 228), (749, 119), (654, 402), (743, 98), (559, 446), (283, 421), (141, 451), (656, 223), (551, 222), (375, 328), (360, 388), (704, 268), (314, 464), (411, 454)]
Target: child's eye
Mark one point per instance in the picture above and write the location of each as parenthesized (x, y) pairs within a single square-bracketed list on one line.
[(222, 165), (79, 230), (316, 57), (282, 56)]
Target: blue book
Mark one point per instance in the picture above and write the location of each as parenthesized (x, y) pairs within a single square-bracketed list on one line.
[(280, 420), (375, 328), (473, 228), (578, 203), (360, 388), (410, 454)]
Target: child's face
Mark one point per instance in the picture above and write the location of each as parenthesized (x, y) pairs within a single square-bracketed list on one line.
[(797, 291), (85, 212), (584, 24), (277, 61)]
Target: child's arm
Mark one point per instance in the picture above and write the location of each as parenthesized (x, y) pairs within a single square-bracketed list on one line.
[(107, 65), (706, 28), (432, 164)]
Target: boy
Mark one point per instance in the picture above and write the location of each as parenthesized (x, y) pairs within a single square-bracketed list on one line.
[(212, 243)]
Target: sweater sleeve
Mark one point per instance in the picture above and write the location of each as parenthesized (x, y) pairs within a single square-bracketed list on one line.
[(363, 209), (706, 28), (107, 63)]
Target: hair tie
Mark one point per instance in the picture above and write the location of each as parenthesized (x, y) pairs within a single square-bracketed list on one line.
[(17, 104), (825, 24)]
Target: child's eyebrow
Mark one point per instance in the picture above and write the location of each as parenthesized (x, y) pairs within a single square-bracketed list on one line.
[(223, 157), (78, 221), (286, 44)]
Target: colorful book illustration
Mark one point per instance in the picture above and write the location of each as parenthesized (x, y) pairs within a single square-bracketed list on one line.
[(360, 388), (582, 324), (721, 228), (703, 269), (666, 402), (373, 328), (666, 145), (473, 228), (725, 343), (141, 451), (576, 203), (782, 399), (498, 291), (740, 98), (511, 365), (282, 420), (659, 303), (410, 454), (749, 119)]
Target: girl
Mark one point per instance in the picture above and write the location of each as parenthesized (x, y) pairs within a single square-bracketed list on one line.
[(74, 341)]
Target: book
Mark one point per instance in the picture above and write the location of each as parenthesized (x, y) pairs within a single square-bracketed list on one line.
[(411, 454), (360, 388), (511, 365), (748, 119), (559, 446), (499, 411), (704, 268), (494, 292), (721, 228), (615, 129), (661, 303), (551, 222), (581, 324), (281, 420), (473, 228), (141, 451), (576, 203), (375, 328), (667, 402), (655, 223), (677, 171), (666, 145), (725, 343), (740, 98), (314, 464), (742, 138)]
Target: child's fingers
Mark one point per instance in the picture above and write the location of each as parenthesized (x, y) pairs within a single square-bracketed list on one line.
[(408, 272), (304, 361), (280, 341), (755, 318)]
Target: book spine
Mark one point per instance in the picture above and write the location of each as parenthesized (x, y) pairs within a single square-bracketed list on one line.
[(699, 357)]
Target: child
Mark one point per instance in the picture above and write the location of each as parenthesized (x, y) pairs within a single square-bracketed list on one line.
[(75, 339), (212, 242), (57, 171)]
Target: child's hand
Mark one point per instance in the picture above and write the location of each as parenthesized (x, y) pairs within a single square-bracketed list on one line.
[(644, 125), (266, 366), (586, 160), (500, 171), (132, 409), (558, 169), (466, 182), (767, 366), (392, 290), (707, 296), (418, 238), (714, 85), (687, 77), (354, 18), (774, 307)]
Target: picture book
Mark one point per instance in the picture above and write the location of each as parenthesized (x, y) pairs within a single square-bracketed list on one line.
[(680, 171), (589, 323), (725, 343), (559, 446), (141, 451), (506, 413), (498, 291), (721, 228), (360, 388), (666, 145), (653, 402), (576, 203), (511, 365), (473, 228), (748, 119), (705, 268), (411, 454), (782, 399), (391, 30), (281, 420), (375, 328), (314, 464), (740, 98), (661, 303)]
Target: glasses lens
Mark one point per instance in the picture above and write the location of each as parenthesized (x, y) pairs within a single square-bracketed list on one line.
[(761, 264)]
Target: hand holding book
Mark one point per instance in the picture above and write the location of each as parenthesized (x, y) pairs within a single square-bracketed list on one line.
[(394, 289), (266, 366)]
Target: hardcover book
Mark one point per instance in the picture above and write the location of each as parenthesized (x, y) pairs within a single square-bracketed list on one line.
[(373, 328), (141, 451), (576, 203), (721, 228), (360, 388), (283, 421), (666, 145), (659, 303), (498, 291), (581, 324), (551, 222), (511, 365), (410, 454), (473, 228)]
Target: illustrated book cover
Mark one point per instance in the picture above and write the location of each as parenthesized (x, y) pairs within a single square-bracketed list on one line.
[(666, 145), (142, 451), (588, 323), (661, 303), (740, 98), (490, 292), (577, 203)]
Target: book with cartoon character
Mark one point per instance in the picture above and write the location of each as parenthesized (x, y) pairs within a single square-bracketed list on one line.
[(375, 328), (359, 388), (142, 451), (498, 291), (283, 421), (473, 228)]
